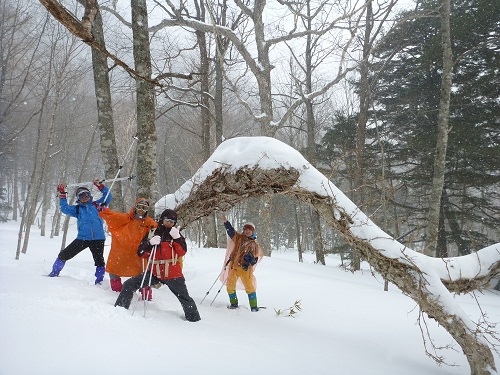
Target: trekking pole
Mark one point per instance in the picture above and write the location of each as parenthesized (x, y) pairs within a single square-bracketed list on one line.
[(224, 283), (144, 276), (145, 296), (75, 184), (206, 294), (135, 138)]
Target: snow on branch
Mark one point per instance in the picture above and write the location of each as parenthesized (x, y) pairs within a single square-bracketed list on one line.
[(252, 166)]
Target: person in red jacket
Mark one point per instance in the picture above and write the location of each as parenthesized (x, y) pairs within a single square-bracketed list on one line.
[(127, 230), (168, 246)]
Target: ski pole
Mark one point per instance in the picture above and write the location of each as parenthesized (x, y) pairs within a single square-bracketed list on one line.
[(149, 283), (224, 283), (135, 138), (100, 181), (144, 276), (206, 294)]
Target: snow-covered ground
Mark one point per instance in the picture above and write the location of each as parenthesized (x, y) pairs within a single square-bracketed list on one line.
[(348, 324)]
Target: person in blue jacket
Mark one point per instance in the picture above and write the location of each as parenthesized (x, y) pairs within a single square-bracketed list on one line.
[(90, 228)]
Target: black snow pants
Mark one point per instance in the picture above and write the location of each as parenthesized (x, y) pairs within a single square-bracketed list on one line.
[(177, 286), (74, 248)]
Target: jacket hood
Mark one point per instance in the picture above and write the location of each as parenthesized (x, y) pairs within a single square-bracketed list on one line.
[(132, 210)]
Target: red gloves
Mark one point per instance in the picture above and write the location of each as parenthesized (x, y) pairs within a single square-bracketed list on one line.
[(98, 185), (61, 188)]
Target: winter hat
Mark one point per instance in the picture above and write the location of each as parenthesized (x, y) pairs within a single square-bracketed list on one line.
[(168, 214), (249, 224), (81, 190), (143, 204)]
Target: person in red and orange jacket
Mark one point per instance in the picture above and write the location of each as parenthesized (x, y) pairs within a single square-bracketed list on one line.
[(127, 230), (168, 246)]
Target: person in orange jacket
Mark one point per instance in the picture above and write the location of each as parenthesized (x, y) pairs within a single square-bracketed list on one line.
[(168, 246), (127, 230)]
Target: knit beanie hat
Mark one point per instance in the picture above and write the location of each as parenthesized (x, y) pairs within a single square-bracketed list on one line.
[(168, 214), (249, 224)]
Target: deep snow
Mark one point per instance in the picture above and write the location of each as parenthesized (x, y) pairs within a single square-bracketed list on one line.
[(348, 324)]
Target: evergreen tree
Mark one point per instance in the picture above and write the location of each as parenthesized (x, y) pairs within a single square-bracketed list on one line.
[(5, 208), (407, 99)]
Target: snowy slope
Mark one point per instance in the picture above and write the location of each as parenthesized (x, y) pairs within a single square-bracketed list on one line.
[(348, 324)]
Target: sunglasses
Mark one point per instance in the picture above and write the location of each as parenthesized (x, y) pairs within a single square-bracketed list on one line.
[(169, 220)]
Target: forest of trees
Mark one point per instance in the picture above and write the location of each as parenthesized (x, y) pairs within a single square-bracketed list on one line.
[(355, 86), (397, 103)]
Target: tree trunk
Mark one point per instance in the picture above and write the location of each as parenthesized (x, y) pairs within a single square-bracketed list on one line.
[(431, 236), (15, 193), (297, 231), (211, 226), (46, 200), (146, 130), (266, 218), (105, 114), (41, 153), (457, 234), (364, 105)]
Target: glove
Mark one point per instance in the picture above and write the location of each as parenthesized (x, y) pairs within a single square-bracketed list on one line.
[(250, 259), (61, 188), (100, 207), (98, 185), (174, 232), (155, 240)]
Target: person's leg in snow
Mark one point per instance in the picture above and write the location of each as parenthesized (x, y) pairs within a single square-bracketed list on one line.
[(233, 299), (128, 289), (116, 282), (69, 252), (57, 267), (99, 274), (178, 287), (97, 249), (232, 278), (252, 299), (247, 279)]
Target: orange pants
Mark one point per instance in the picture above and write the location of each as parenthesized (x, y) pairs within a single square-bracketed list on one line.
[(245, 276)]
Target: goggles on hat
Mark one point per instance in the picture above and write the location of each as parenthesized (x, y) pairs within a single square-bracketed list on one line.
[(84, 194), (142, 206)]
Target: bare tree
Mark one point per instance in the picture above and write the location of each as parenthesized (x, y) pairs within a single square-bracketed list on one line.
[(56, 81), (105, 112), (435, 215), (146, 130)]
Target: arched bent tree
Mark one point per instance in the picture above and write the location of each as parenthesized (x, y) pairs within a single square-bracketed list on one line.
[(241, 168)]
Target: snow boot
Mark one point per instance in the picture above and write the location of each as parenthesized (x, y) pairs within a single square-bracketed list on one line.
[(99, 274), (252, 299), (57, 267), (147, 293), (233, 300), (116, 284)]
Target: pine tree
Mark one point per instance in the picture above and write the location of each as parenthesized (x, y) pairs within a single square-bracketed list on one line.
[(407, 99)]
